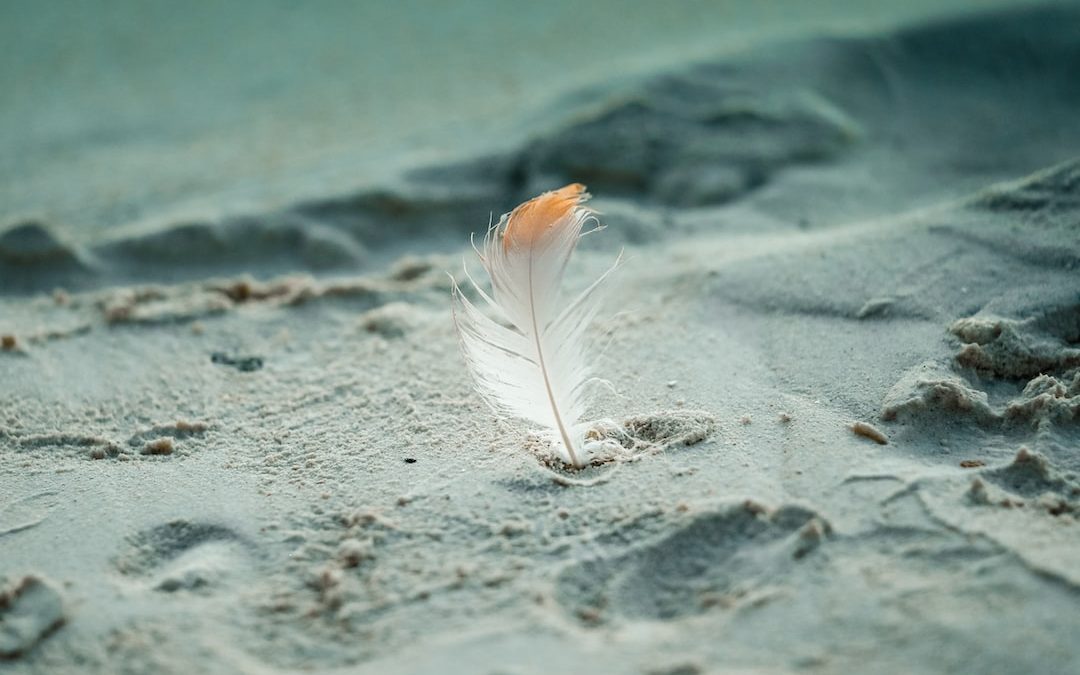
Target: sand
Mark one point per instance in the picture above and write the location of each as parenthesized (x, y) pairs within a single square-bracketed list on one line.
[(237, 435)]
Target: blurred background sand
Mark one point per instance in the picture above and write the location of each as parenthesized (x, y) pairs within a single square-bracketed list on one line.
[(114, 111)]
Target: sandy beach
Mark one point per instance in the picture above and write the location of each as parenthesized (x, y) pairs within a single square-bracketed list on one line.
[(237, 434)]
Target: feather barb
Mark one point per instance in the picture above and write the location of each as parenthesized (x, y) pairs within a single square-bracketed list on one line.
[(530, 222)]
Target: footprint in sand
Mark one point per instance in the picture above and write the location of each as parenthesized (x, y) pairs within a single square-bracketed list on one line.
[(720, 558), (185, 556), (26, 512), (30, 610)]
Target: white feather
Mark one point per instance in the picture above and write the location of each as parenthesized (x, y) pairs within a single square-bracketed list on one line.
[(531, 362)]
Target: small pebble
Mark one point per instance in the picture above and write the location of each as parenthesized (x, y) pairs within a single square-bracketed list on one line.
[(246, 364), (869, 431)]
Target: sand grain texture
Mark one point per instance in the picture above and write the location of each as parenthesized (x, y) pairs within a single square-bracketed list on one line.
[(246, 441)]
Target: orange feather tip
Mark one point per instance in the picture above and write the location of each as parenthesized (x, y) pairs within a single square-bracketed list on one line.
[(530, 221)]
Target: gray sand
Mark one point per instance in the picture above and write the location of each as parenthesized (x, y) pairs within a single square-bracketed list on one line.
[(845, 345)]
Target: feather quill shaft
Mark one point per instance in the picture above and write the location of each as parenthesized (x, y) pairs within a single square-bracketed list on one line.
[(529, 361)]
